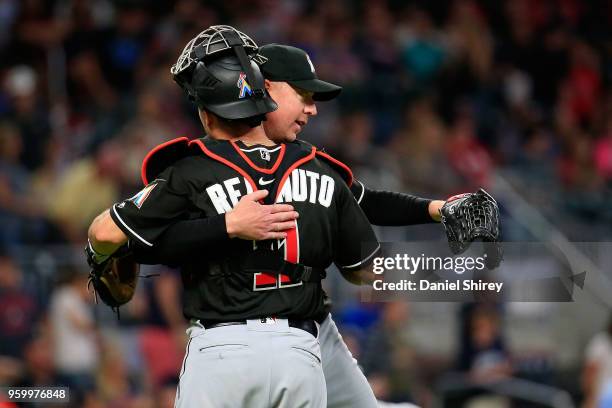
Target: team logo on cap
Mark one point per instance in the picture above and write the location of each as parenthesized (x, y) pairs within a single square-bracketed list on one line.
[(310, 63), (243, 85)]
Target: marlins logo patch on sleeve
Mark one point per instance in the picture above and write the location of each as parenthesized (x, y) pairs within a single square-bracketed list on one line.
[(141, 196)]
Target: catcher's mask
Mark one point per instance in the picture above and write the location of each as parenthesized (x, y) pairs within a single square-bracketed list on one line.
[(218, 71)]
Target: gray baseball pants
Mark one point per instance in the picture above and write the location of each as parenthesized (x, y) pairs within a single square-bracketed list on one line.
[(254, 365)]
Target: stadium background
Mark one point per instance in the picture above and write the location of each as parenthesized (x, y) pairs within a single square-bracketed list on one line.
[(439, 97)]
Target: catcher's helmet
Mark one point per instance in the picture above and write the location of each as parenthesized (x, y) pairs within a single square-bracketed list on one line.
[(218, 72)]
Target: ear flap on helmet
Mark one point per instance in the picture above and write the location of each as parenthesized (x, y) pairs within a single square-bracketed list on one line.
[(203, 78)]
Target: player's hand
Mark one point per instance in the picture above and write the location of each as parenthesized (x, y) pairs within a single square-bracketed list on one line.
[(254, 221), (434, 209)]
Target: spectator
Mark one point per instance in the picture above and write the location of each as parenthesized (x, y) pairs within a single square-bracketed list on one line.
[(19, 316), (16, 206), (75, 338), (423, 52), (388, 359), (597, 370), (419, 149), (19, 311), (40, 369), (87, 187), (112, 382), (470, 38), (485, 356), (125, 44), (602, 154), (29, 113), (167, 393), (582, 85), (164, 328), (467, 155)]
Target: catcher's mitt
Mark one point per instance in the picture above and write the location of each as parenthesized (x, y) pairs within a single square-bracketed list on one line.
[(114, 278), (473, 216)]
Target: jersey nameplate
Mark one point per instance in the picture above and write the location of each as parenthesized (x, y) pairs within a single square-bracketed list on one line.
[(300, 186), (306, 185)]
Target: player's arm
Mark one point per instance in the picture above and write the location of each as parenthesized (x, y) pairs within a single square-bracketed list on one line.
[(248, 220), (388, 208), (105, 237), (143, 217), (361, 276), (356, 244)]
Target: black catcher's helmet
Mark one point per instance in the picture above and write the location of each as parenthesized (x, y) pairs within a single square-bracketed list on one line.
[(218, 71)]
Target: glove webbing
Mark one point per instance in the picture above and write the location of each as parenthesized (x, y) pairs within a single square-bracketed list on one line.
[(479, 218)]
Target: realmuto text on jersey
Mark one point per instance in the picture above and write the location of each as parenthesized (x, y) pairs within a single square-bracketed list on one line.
[(300, 186)]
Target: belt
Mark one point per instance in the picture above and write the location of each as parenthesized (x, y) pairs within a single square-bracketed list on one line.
[(309, 326)]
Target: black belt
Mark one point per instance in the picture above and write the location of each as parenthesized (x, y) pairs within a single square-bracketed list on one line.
[(307, 325)]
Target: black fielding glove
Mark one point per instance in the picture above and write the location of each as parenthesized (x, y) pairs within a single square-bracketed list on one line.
[(473, 216), (114, 277)]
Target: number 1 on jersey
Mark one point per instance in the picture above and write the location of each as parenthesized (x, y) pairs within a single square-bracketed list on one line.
[(291, 247)]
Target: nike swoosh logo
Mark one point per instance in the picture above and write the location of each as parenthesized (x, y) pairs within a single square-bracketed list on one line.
[(264, 182)]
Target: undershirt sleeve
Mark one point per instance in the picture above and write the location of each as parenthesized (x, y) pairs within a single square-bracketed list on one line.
[(356, 243), (182, 240), (388, 208)]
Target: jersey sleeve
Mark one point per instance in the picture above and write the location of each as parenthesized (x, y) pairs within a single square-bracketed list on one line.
[(145, 216), (358, 190), (182, 239), (388, 208), (356, 243)]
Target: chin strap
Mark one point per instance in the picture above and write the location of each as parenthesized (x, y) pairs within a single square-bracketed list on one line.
[(234, 41)]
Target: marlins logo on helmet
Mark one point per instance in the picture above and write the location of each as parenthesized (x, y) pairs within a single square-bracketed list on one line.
[(243, 85)]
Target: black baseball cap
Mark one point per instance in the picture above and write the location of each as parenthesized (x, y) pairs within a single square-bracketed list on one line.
[(292, 65)]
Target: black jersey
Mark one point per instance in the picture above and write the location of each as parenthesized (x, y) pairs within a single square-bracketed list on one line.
[(218, 286)]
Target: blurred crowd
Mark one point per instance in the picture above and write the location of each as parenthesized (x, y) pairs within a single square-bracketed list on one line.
[(438, 98)]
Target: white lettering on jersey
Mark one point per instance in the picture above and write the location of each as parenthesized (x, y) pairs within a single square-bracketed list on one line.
[(219, 195), (218, 198), (234, 194), (327, 191), (300, 186), (320, 189), (314, 177), (286, 195)]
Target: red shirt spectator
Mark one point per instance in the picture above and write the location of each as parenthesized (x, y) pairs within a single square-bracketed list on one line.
[(602, 155)]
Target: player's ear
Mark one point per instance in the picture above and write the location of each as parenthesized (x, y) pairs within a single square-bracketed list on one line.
[(268, 84), (206, 119)]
